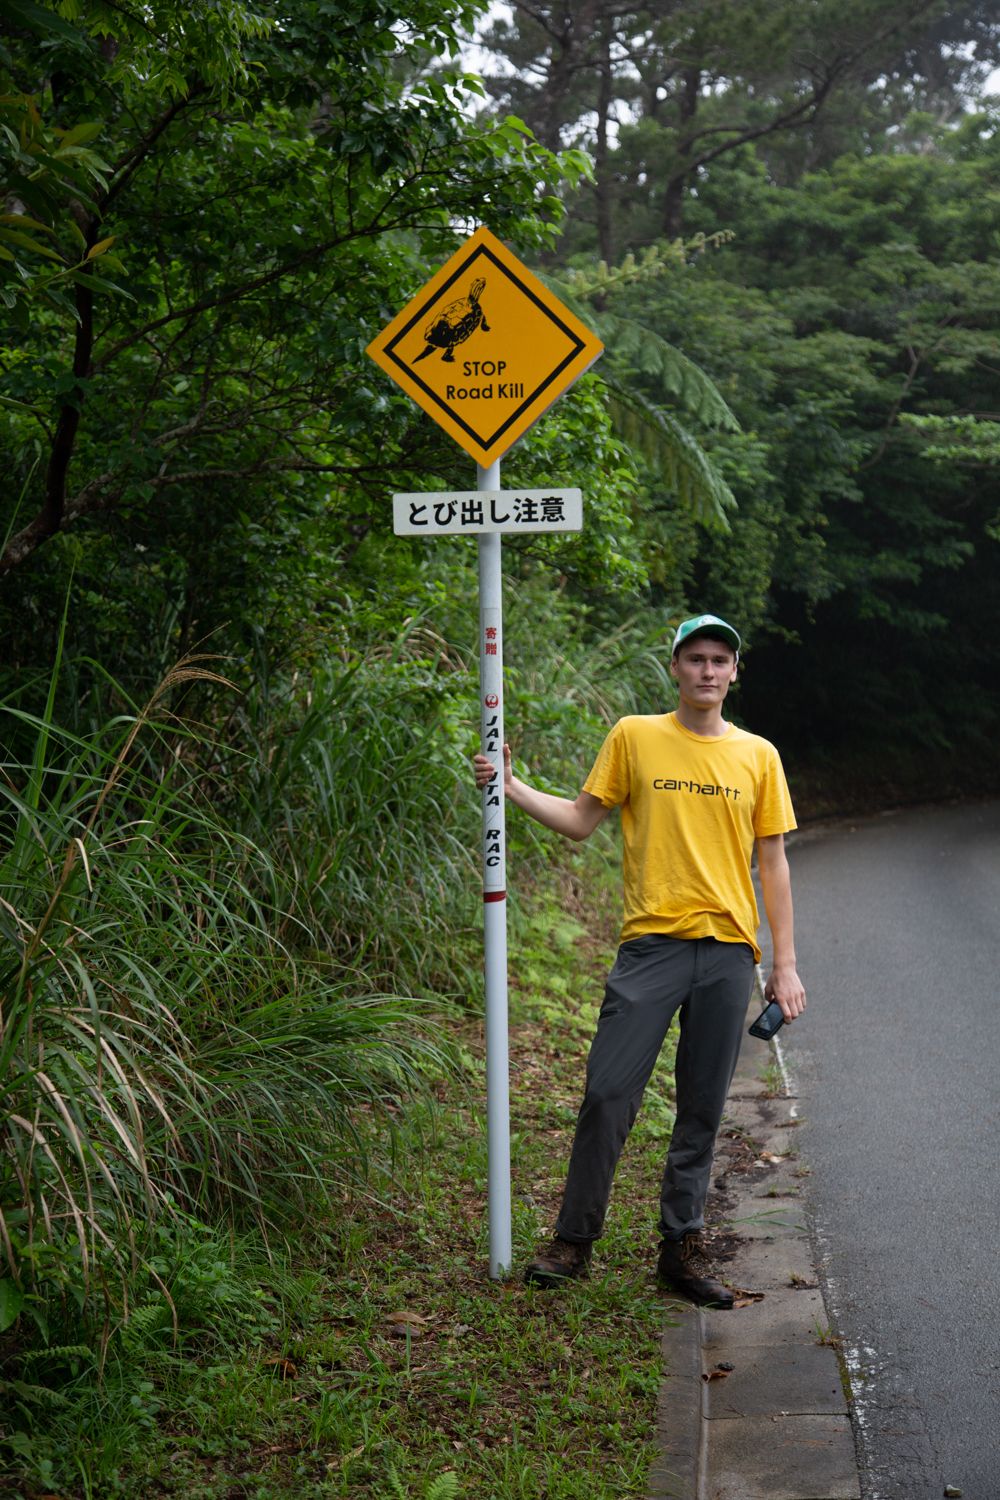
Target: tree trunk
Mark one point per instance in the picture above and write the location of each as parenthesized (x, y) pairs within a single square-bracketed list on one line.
[(604, 188), (558, 82), (673, 198)]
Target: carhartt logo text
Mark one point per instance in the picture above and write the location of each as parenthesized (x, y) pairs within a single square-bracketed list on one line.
[(701, 789)]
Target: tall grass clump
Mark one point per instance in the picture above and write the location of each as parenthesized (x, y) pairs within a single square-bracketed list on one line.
[(171, 1041), (225, 955), (570, 670), (570, 684), (359, 784)]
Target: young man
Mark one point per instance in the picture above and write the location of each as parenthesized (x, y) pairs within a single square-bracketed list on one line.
[(696, 793)]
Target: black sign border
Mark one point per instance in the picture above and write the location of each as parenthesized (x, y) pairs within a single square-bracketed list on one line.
[(461, 270)]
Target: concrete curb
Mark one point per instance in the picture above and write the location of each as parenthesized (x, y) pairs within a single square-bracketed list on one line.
[(754, 1403)]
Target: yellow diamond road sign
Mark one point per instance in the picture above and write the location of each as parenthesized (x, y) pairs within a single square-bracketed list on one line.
[(485, 348)]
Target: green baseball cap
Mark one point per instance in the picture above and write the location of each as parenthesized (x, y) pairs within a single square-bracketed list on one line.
[(705, 625)]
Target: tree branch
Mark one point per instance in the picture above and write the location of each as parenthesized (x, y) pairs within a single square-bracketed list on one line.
[(890, 421), (375, 226), (802, 114), (129, 164)]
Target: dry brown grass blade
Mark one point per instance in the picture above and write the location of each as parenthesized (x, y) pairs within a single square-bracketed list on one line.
[(73, 1208)]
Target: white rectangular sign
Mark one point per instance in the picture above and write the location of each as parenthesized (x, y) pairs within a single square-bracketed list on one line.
[(472, 512)]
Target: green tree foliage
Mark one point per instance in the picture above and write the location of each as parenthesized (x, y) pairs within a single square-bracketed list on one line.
[(276, 185), (658, 94), (852, 325), (656, 390), (54, 184), (216, 911), (225, 918)]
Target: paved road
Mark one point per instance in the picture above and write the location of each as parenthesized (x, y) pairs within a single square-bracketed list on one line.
[(898, 1064)]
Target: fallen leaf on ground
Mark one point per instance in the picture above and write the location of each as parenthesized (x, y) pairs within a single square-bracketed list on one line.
[(746, 1298), (796, 1280), (405, 1324), (719, 1372), (283, 1367)]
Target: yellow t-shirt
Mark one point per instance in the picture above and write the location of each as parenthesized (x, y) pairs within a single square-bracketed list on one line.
[(691, 810)]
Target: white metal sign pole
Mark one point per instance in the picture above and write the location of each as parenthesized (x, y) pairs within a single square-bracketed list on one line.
[(487, 512), (494, 890)]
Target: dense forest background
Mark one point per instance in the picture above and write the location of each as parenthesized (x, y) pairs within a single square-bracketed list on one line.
[(237, 840), (805, 209), (850, 322)]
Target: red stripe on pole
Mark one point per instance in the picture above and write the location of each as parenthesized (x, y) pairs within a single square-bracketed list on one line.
[(494, 895)]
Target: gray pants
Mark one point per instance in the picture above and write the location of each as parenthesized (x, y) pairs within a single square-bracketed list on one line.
[(653, 976)]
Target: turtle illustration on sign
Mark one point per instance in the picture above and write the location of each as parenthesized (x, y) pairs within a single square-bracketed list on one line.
[(455, 323)]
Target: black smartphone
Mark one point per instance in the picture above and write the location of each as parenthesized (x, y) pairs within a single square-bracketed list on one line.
[(768, 1022)]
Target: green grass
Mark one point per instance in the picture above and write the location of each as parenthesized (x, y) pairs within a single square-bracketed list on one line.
[(517, 1391), (243, 1091), (165, 1044), (298, 1377)]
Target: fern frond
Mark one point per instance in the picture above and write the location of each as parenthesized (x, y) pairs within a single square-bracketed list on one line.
[(395, 1484), (35, 1395), (145, 1321), (630, 342), (632, 350), (653, 261), (445, 1486), (680, 460), (56, 1351), (570, 294)]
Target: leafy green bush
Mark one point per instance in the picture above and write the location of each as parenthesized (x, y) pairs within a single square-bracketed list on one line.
[(358, 784), (201, 1303)]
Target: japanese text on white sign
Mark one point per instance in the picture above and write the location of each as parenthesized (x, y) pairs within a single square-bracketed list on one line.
[(472, 512)]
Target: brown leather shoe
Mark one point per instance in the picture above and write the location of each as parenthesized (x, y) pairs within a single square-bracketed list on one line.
[(559, 1261), (683, 1267)]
